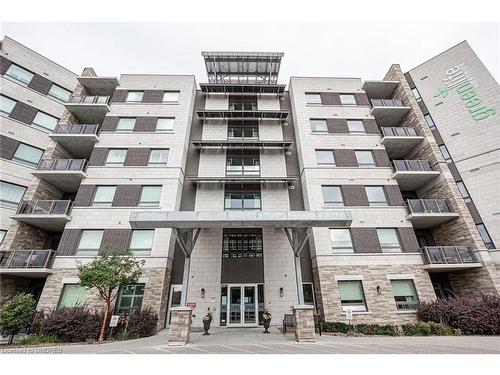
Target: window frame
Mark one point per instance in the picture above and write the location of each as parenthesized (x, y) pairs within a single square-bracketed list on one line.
[(308, 95), (360, 306), (3, 233), (3, 97), (41, 127), (124, 311), (416, 94), (26, 162), (464, 192), (242, 245), (389, 248), (11, 204), (325, 151), (430, 121), (22, 69), (130, 130), (167, 92), (160, 164), (311, 285), (103, 203), (333, 203), (51, 94), (89, 251), (141, 251), (150, 203), (64, 290), (317, 120), (171, 119), (137, 92), (483, 232), (377, 203), (398, 303), (350, 95), (360, 121), (341, 249), (365, 165), (445, 153), (108, 163), (242, 199)]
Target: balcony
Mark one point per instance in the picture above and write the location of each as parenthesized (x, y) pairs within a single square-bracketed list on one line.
[(79, 139), (413, 174), (242, 143), (449, 258), (64, 174), (389, 112), (99, 85), (27, 263), (88, 109), (241, 114), (428, 213), (240, 179), (399, 141), (380, 89), (50, 215)]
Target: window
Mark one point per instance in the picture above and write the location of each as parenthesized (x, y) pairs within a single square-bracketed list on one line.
[(59, 93), (416, 94), (243, 132), (27, 155), (142, 242), (150, 196), (389, 240), (125, 124), (429, 121), (352, 295), (2, 235), (45, 122), (19, 74), (365, 159), (485, 236), (158, 157), (463, 191), (242, 245), (341, 240), (445, 153), (6, 104), (308, 291), (72, 295), (332, 196), (129, 299), (405, 295), (10, 194), (242, 201), (325, 157), (355, 126), (319, 126), (249, 104), (90, 242), (116, 156), (249, 166), (165, 124), (347, 99), (313, 98), (170, 96), (135, 96), (103, 196), (376, 195)]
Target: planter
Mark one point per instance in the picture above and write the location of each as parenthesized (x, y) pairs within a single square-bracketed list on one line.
[(206, 327), (267, 323)]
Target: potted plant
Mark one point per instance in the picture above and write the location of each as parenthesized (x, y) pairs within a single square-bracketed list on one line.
[(266, 319), (207, 319)]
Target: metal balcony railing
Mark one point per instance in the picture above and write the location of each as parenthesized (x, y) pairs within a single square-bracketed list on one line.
[(407, 305), (75, 129), (412, 166), (398, 132), (428, 206), (238, 170), (44, 207), (88, 99), (26, 258), (448, 255), (387, 103), (62, 165)]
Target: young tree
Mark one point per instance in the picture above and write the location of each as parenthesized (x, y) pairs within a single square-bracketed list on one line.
[(108, 273), (17, 314)]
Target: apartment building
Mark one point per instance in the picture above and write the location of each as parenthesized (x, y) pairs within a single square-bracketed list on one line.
[(243, 196)]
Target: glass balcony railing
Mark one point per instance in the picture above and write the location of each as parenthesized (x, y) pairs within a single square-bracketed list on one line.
[(238, 170), (398, 132), (387, 103), (75, 129), (448, 255), (412, 166), (44, 207), (26, 258), (62, 165), (88, 99), (428, 206)]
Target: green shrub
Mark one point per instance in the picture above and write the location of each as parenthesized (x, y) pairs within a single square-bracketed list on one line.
[(337, 327), (141, 323), (38, 339), (17, 314), (377, 329), (429, 328)]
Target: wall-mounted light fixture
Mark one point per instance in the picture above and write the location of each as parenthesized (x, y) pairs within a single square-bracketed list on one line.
[(202, 292), (379, 291), (282, 292)]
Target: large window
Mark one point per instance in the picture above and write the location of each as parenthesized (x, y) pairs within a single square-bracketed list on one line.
[(10, 194), (19, 74), (165, 124), (142, 242), (332, 196), (463, 191), (125, 124), (319, 126), (158, 157), (445, 153), (416, 94), (150, 196), (308, 291), (129, 299), (376, 195), (116, 156), (90, 242), (389, 240), (485, 236), (313, 98), (242, 201), (242, 245), (365, 158), (429, 121), (72, 295), (242, 105), (135, 96), (352, 295), (405, 295), (2, 235), (170, 96), (59, 93), (341, 240), (27, 155), (243, 132), (355, 126), (325, 157), (44, 122), (249, 166), (6, 104), (347, 99), (104, 196)]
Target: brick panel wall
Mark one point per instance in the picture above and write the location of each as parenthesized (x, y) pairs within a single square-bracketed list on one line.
[(145, 124), (69, 242), (4, 65), (345, 158), (137, 157), (119, 96), (394, 196), (408, 239), (365, 240), (381, 158), (330, 98), (116, 240), (109, 123), (152, 96), (40, 84), (84, 196), (371, 126), (354, 195), (98, 157), (361, 99), (337, 125), (8, 147), (23, 112), (127, 196)]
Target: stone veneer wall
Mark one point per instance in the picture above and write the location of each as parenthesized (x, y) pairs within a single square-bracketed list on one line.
[(10, 286)]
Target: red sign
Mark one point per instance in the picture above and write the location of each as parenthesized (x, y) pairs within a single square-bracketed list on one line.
[(191, 304)]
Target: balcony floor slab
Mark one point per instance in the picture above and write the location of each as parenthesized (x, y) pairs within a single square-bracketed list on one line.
[(80, 145), (430, 220), (66, 181), (399, 146), (53, 223), (412, 180)]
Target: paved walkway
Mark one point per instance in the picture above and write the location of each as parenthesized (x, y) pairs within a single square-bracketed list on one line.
[(253, 341)]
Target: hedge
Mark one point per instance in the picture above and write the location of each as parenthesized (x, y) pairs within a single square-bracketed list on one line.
[(365, 329)]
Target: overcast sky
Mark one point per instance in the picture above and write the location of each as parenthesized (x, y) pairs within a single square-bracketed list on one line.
[(311, 49)]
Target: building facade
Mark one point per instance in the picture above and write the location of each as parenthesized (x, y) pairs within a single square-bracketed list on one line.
[(242, 195)]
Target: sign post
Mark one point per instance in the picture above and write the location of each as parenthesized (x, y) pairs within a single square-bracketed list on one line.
[(348, 315)]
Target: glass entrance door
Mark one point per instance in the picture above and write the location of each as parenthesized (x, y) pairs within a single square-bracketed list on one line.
[(243, 307)]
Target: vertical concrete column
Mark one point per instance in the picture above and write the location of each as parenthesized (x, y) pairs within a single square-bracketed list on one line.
[(304, 323), (180, 325)]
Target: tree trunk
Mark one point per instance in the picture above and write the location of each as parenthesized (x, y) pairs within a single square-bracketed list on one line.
[(105, 320), (11, 338)]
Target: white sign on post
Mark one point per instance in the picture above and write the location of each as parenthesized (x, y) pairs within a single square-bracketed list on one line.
[(348, 314), (114, 320)]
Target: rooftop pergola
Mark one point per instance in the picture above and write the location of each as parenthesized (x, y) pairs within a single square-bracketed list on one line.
[(243, 68), (239, 89)]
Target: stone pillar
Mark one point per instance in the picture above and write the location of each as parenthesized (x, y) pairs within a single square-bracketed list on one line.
[(304, 323), (180, 325)]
